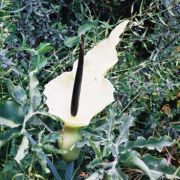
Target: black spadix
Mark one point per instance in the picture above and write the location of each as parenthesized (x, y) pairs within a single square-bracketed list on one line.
[(78, 80)]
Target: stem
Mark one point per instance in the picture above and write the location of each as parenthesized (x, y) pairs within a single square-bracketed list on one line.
[(67, 142), (69, 170), (49, 163)]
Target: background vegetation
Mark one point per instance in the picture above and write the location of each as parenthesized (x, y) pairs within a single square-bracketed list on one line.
[(135, 137)]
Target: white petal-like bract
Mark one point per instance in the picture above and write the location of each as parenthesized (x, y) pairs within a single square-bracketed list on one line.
[(96, 90)]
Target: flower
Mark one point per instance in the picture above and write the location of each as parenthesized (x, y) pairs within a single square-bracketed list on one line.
[(96, 90)]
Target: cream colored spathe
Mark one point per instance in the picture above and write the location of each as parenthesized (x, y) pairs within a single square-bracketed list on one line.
[(96, 90)]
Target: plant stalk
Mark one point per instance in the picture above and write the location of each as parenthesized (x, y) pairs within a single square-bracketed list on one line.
[(69, 170)]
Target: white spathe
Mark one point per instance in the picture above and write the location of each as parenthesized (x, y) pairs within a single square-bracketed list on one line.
[(96, 90)]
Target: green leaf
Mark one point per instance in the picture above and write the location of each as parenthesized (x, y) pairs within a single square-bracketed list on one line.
[(35, 96), (127, 122), (151, 143), (52, 137), (160, 166), (44, 48), (24, 44), (96, 149), (17, 93), (94, 176), (106, 25), (11, 114), (113, 172), (8, 135), (131, 159), (72, 41), (113, 175), (18, 176), (86, 27), (51, 149), (41, 157), (38, 62), (22, 151)]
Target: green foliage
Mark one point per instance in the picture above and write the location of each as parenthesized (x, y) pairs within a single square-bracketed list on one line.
[(160, 167), (72, 41), (11, 114), (137, 136), (8, 135), (123, 153), (151, 143)]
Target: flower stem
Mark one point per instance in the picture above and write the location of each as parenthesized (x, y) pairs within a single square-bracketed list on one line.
[(67, 142), (69, 170)]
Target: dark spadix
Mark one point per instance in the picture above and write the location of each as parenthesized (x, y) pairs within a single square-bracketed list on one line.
[(78, 80)]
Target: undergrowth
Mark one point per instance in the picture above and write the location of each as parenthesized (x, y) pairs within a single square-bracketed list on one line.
[(135, 137)]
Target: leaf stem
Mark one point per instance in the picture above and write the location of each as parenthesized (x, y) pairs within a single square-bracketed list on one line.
[(49, 163)]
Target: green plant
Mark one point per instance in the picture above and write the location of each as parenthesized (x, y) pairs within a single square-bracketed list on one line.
[(146, 88), (113, 149)]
